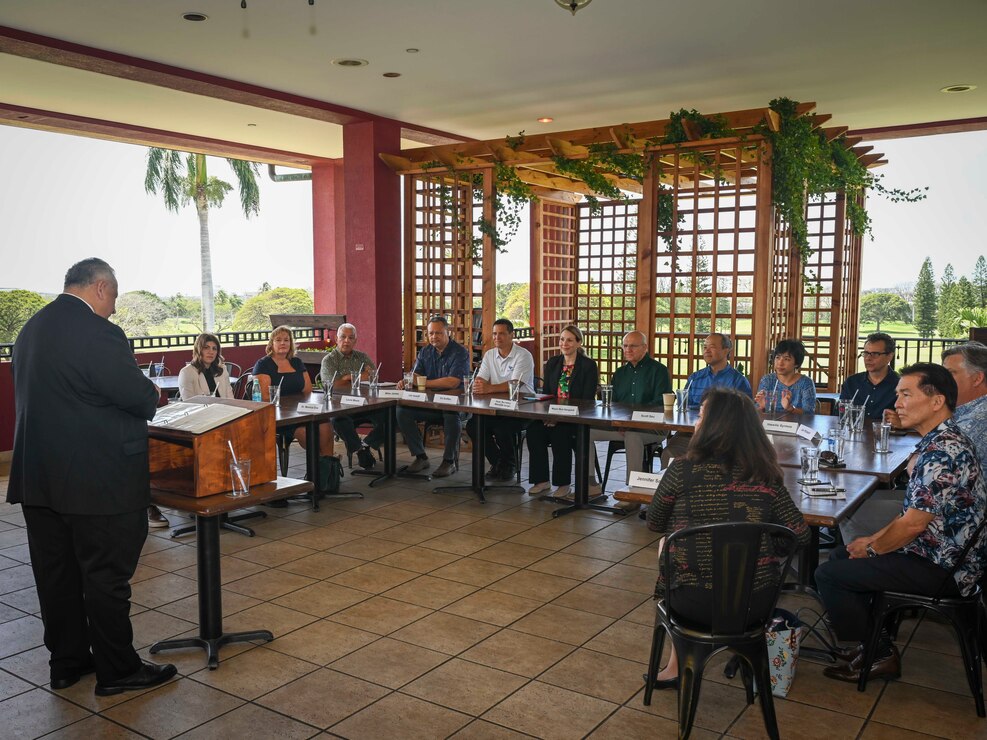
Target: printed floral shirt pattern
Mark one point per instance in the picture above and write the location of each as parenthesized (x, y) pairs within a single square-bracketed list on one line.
[(971, 417), (947, 483), (563, 392)]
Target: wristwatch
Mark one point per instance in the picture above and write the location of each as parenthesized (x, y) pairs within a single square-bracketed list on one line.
[(871, 552)]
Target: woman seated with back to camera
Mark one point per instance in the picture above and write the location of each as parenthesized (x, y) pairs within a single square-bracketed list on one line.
[(796, 393), (730, 473), (569, 375), (206, 375)]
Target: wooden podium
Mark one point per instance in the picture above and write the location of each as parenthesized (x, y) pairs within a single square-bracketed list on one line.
[(199, 464)]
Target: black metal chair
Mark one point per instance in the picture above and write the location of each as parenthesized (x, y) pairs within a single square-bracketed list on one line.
[(243, 388), (734, 623), (964, 613)]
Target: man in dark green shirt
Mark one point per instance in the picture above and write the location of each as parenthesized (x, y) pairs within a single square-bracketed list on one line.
[(641, 381)]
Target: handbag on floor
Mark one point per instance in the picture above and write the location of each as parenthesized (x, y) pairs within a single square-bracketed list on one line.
[(330, 474), (783, 635)]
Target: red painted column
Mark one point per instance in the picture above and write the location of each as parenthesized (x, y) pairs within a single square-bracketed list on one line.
[(329, 256), (372, 254)]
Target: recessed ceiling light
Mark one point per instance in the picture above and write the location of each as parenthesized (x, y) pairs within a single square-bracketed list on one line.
[(412, 50), (251, 125), (545, 119), (350, 62), (391, 74), (195, 17), (957, 88)]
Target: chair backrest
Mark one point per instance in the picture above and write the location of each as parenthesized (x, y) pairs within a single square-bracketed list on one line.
[(961, 558), (244, 388), (733, 553), (234, 369)]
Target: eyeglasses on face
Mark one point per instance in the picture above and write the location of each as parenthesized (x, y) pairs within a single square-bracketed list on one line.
[(872, 355)]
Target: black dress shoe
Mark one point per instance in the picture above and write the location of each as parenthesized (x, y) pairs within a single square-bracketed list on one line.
[(506, 473), (148, 675), (661, 684), (848, 654), (493, 473), (71, 679), (888, 667), (366, 458)]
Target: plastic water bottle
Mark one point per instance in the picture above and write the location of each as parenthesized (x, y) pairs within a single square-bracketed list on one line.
[(255, 396)]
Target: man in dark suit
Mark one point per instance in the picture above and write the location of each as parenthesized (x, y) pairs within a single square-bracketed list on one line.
[(80, 469)]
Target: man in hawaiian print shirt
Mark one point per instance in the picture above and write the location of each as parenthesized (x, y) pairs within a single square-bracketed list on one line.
[(944, 503), (968, 364)]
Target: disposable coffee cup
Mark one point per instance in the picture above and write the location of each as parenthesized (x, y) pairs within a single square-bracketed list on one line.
[(669, 400)]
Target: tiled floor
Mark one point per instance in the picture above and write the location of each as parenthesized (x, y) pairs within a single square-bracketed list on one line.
[(410, 614)]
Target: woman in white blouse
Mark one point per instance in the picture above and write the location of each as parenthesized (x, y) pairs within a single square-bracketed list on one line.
[(206, 374)]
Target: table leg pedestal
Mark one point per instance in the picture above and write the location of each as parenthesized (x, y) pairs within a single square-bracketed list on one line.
[(477, 484), (390, 454), (211, 636), (582, 500)]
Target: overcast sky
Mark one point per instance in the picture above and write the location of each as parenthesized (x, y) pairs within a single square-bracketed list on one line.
[(64, 198)]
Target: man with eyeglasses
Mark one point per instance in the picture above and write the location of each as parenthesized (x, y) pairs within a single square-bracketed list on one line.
[(967, 363), (642, 380), (876, 385)]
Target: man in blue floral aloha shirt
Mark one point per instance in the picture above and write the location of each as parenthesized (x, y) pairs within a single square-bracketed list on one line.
[(944, 503), (968, 365)]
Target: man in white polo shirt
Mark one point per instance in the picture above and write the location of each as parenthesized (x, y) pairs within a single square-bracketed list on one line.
[(506, 361)]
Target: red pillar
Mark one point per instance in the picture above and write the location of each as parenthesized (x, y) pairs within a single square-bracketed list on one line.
[(372, 255), (328, 219)]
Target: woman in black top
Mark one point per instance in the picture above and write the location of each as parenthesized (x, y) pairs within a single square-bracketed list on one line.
[(568, 375), (729, 474)]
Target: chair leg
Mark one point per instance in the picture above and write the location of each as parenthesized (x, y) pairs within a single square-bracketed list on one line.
[(692, 661), (763, 676), (968, 637), (606, 472), (657, 645), (878, 617)]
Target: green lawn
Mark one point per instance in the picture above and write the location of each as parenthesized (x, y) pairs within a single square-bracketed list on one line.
[(894, 328)]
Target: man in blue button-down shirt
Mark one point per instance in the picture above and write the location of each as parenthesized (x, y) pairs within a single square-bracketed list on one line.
[(443, 362)]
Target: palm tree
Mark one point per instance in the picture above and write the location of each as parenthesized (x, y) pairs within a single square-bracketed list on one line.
[(186, 181)]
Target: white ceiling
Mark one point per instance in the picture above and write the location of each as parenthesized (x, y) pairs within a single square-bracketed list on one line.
[(488, 68)]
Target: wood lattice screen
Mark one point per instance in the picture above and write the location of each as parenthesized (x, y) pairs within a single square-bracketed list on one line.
[(711, 201), (440, 275), (606, 280), (553, 273)]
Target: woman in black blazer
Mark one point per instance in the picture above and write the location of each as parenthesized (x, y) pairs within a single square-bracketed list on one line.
[(569, 375)]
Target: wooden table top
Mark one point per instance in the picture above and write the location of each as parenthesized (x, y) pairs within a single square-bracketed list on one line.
[(221, 503)]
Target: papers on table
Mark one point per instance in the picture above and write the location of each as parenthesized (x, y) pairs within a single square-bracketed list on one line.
[(196, 417)]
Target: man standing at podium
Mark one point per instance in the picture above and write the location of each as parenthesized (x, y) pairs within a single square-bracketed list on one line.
[(80, 469)]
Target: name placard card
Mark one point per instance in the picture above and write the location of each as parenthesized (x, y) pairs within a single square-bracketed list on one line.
[(653, 416), (807, 433), (562, 409), (781, 427), (389, 393), (353, 400), (307, 407), (644, 480), (414, 396), (505, 403), (446, 398)]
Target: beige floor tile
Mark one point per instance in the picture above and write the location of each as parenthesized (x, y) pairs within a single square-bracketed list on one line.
[(633, 532), (274, 554), (430, 592), (560, 623), (719, 706), (570, 566), (464, 686), (323, 698), (156, 544), (368, 548), (151, 626), (625, 640), (482, 730), (373, 577), (447, 520), (380, 615), (361, 525), (513, 554), (16, 578), (404, 511), (545, 538), (517, 652), (322, 642), (459, 544), (935, 670), (409, 533), (531, 585), (550, 712), (644, 614), (813, 688), (269, 584), (188, 608), (631, 723), (254, 673), (578, 524), (877, 731), (498, 529), (389, 662), (276, 527), (493, 607), (172, 709), (445, 633), (233, 542), (19, 635), (250, 721), (930, 711), (474, 571), (172, 559), (154, 592), (597, 547), (30, 665), (322, 599), (93, 727), (321, 538), (937, 636), (418, 559), (628, 577), (646, 557), (797, 720), (231, 569), (603, 676), (35, 713), (264, 616), (321, 565), (526, 514), (402, 717)]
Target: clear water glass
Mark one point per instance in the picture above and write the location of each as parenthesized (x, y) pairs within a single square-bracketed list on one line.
[(606, 394), (681, 399), (514, 388), (809, 458), (239, 478), (409, 381)]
